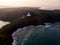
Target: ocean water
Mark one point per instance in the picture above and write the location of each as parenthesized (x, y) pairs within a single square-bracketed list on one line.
[(38, 35), (2, 23)]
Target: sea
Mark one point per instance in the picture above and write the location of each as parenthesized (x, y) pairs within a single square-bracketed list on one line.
[(48, 34), (3, 23), (38, 35)]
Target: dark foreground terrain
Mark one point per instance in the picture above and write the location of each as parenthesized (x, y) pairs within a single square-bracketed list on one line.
[(38, 17)]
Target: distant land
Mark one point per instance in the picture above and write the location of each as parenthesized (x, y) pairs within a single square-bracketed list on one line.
[(10, 14), (18, 19)]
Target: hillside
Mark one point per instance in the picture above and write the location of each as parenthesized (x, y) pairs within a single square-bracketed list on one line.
[(38, 17), (10, 14)]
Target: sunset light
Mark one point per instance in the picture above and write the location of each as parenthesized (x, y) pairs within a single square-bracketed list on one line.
[(30, 3)]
